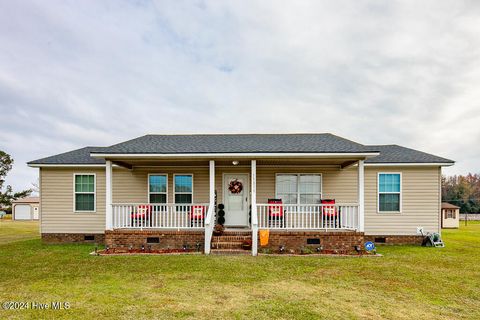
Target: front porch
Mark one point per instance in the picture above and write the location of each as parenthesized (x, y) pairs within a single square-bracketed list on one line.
[(172, 224)]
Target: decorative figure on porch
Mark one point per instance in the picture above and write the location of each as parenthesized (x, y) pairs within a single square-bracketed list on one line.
[(235, 186)]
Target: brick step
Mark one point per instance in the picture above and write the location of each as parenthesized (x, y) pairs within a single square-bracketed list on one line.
[(230, 252), (227, 245), (236, 233), (231, 238)]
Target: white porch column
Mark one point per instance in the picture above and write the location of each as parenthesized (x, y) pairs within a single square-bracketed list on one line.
[(108, 193), (254, 217), (209, 220), (212, 182), (361, 196)]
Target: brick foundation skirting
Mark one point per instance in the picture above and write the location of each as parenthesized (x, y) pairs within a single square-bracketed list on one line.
[(166, 239), (394, 239), (341, 242), (98, 238)]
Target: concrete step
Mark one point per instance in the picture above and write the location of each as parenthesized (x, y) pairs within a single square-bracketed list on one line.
[(230, 252)]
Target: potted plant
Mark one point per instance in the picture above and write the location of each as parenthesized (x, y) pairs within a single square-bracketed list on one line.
[(218, 230), (247, 244)]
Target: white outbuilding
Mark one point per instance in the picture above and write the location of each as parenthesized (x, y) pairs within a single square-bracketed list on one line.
[(450, 215), (26, 208)]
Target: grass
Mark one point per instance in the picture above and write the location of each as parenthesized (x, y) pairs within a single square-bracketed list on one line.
[(11, 231), (408, 282)]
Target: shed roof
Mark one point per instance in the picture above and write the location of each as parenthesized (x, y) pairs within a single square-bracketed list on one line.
[(27, 200), (446, 205)]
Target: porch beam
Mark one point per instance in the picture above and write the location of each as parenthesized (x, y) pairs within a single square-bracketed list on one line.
[(123, 164), (361, 196), (108, 198), (253, 217), (348, 164)]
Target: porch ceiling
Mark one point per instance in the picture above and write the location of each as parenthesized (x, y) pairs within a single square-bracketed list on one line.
[(336, 161)]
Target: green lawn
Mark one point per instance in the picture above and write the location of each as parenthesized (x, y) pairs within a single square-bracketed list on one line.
[(11, 231), (407, 283)]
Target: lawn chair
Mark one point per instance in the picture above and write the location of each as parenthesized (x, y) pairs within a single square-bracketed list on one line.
[(432, 240)]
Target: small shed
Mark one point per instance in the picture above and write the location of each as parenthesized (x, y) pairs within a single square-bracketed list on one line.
[(450, 215), (26, 208)]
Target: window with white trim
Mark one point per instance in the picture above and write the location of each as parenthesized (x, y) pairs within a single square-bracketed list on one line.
[(449, 213), (299, 188), (84, 192), (157, 188), (183, 188), (389, 192)]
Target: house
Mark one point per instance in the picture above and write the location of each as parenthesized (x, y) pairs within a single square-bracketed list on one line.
[(26, 208), (316, 190), (450, 215)]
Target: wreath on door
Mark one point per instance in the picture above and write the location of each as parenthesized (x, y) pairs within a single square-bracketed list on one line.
[(235, 186)]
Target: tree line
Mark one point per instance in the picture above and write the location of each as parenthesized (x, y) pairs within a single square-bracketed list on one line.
[(7, 195), (462, 191)]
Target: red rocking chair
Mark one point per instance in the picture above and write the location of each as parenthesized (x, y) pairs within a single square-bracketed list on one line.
[(275, 211), (197, 215)]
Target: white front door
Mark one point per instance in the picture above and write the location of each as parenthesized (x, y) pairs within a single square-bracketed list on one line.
[(235, 196)]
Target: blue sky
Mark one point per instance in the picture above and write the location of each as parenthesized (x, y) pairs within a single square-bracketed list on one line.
[(378, 72)]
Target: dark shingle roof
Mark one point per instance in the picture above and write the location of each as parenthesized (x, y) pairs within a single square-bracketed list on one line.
[(79, 156), (245, 143), (238, 143), (397, 154)]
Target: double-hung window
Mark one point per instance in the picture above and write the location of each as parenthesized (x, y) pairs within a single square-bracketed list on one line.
[(84, 192), (299, 188), (389, 192), (183, 187), (157, 188)]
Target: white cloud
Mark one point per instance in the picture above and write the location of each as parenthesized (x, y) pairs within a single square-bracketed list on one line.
[(96, 73)]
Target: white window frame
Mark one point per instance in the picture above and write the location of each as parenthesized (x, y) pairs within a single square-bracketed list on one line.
[(400, 196), (298, 182), (94, 192), (148, 187), (173, 186), (450, 214)]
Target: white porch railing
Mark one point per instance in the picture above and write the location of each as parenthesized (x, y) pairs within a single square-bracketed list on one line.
[(164, 216), (209, 225), (308, 216)]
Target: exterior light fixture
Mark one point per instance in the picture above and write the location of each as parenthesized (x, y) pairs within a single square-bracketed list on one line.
[(235, 162)]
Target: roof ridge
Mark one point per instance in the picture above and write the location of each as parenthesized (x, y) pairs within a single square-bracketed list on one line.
[(234, 134)]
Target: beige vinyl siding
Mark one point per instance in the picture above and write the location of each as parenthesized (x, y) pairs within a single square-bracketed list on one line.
[(420, 201), (57, 202), (337, 184), (420, 194), (131, 186)]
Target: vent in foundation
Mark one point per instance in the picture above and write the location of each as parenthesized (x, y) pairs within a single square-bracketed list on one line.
[(153, 240), (380, 240), (313, 241), (89, 238)]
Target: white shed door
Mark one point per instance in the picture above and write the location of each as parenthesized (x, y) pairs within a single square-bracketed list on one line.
[(35, 213), (23, 212)]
